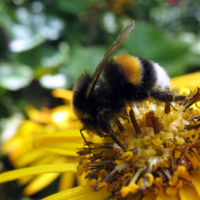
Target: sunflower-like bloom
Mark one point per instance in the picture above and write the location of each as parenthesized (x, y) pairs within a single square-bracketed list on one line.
[(23, 150), (160, 159)]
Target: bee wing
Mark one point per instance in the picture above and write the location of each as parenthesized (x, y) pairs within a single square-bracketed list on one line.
[(122, 37)]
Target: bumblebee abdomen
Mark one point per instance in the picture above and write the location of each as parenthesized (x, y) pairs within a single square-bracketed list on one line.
[(130, 77), (162, 79), (149, 75), (131, 68)]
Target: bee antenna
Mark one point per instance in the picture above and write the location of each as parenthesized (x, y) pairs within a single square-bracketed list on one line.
[(122, 37)]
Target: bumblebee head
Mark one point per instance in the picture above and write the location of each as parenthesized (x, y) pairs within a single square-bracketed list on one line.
[(80, 104)]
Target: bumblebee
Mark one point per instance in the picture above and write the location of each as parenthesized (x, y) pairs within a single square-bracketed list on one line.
[(124, 80)]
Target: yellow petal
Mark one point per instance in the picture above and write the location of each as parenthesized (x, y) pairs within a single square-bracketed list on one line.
[(15, 147), (71, 135), (81, 180), (23, 139), (39, 183), (53, 159), (196, 172), (70, 193), (67, 180), (63, 113), (187, 192), (29, 157), (10, 145), (101, 195), (69, 125), (62, 142), (24, 180), (61, 93), (18, 173), (39, 116), (149, 196), (59, 145), (77, 193), (60, 151), (190, 80), (14, 155), (46, 160), (196, 182), (164, 196)]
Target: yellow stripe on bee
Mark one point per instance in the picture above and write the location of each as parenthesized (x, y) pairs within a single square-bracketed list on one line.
[(131, 67)]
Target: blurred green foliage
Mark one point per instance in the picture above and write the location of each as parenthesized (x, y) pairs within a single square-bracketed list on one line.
[(43, 39), (46, 44)]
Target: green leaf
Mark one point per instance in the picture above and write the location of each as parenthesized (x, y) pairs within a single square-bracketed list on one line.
[(73, 7), (44, 59), (148, 42), (85, 58), (14, 77), (31, 29)]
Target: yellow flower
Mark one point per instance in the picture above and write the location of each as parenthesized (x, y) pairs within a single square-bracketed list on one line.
[(190, 81), (161, 159), (24, 151)]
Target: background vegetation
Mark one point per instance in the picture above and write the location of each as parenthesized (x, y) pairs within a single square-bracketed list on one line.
[(46, 44)]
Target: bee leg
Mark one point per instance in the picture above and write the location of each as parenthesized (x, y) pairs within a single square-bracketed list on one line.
[(107, 128), (167, 97), (173, 107), (116, 139), (180, 97), (162, 96)]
